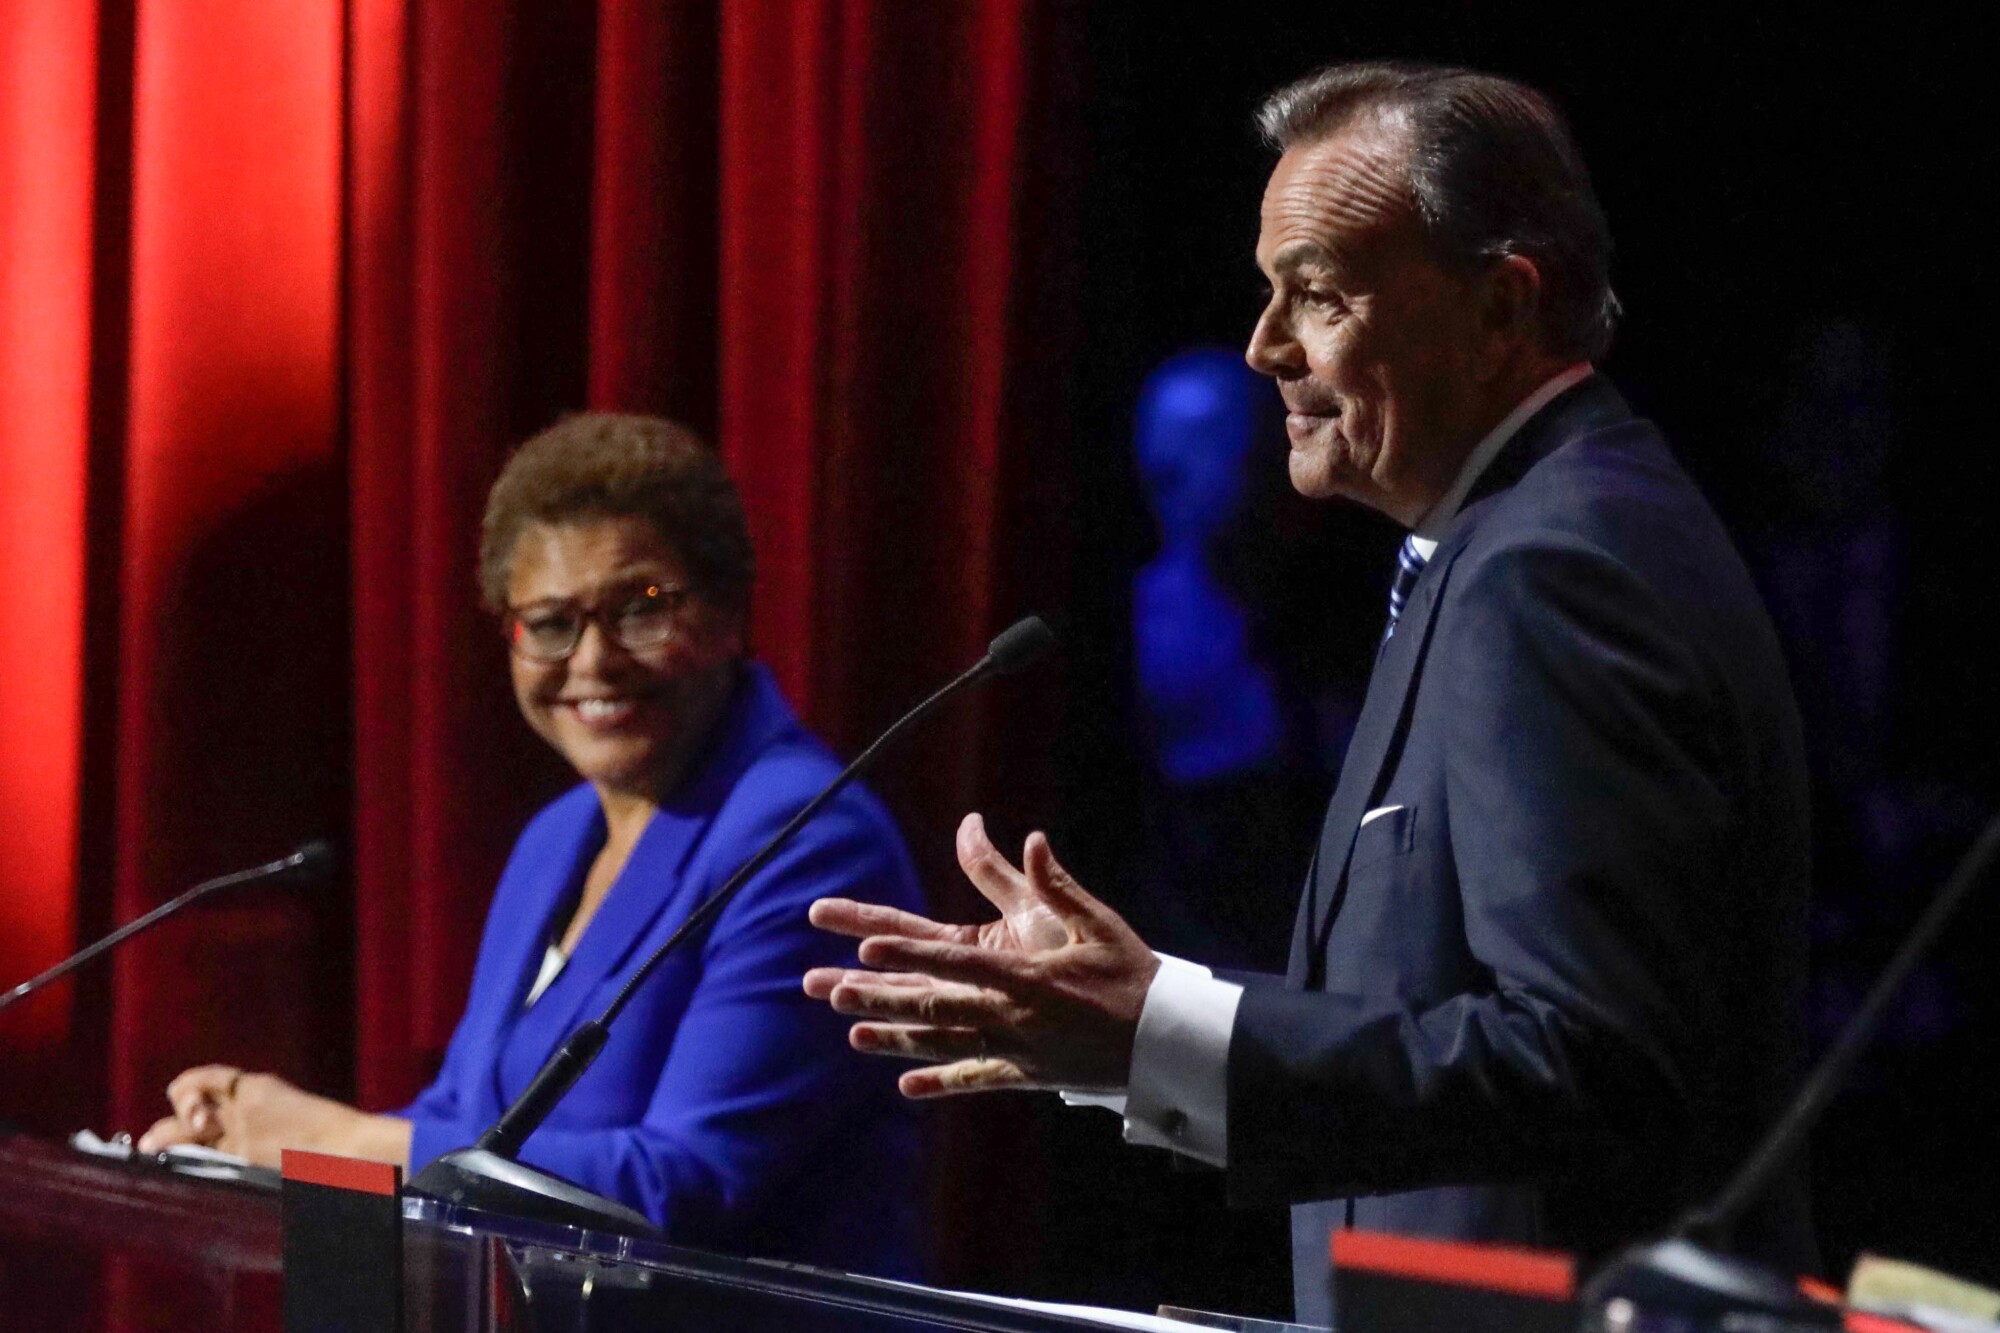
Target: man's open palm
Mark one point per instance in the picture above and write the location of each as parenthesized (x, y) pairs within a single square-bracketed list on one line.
[(1048, 995)]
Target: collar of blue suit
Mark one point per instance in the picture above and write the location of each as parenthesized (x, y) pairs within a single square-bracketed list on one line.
[(755, 717)]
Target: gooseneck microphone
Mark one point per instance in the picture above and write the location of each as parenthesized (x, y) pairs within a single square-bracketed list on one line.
[(310, 864), (487, 1176), (1689, 1273)]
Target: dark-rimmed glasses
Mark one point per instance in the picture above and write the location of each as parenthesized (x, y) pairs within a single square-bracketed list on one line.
[(635, 619)]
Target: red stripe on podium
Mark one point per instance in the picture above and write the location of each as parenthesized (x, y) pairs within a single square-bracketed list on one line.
[(1860, 1321), (1539, 1273), (341, 1173)]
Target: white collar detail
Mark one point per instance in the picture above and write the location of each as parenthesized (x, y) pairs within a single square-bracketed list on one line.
[(1431, 528)]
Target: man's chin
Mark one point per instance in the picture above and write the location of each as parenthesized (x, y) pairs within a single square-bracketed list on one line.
[(1318, 474), (1318, 478)]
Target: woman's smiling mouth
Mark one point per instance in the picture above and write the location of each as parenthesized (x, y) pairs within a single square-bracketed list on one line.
[(602, 712)]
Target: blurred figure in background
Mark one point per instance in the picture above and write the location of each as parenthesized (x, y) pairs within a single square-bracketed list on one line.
[(1232, 797)]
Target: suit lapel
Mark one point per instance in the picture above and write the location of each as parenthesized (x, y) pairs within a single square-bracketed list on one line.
[(523, 914), (649, 887), (656, 889), (1378, 734), (1298, 964)]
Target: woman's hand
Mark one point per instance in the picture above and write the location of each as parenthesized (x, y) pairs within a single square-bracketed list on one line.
[(257, 1116)]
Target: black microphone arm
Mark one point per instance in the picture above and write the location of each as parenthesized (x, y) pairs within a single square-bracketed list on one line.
[(486, 1175), (1710, 1223), (310, 864), (1689, 1271)]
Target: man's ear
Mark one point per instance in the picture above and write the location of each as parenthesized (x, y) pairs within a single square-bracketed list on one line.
[(1511, 303)]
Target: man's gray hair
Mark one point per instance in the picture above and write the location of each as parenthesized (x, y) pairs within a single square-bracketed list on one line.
[(1493, 172)]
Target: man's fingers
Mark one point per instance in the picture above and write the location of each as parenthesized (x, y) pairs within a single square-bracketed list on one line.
[(844, 916), (947, 961), (1056, 885), (927, 1001), (960, 1060), (920, 1041), (987, 1075), (820, 981), (990, 872)]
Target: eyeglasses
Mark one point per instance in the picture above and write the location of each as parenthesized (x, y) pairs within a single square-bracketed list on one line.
[(635, 619)]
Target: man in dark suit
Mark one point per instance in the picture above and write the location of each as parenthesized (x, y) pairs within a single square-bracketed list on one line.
[(1544, 981)]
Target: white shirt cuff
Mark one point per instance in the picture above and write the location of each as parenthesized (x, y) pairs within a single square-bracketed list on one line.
[(1178, 1097)]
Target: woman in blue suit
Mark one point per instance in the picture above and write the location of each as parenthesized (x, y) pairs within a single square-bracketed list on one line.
[(727, 1107)]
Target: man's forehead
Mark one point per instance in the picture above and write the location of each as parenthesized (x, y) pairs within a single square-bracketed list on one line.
[(1327, 195)]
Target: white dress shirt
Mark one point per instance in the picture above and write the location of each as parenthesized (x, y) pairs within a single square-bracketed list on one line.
[(1178, 1094)]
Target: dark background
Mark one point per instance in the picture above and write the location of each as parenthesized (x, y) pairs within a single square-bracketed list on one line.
[(1759, 174)]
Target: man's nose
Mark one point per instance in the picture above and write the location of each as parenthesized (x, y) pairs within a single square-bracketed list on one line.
[(1272, 349)]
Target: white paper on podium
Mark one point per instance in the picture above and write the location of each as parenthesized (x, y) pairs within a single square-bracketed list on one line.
[(186, 1158)]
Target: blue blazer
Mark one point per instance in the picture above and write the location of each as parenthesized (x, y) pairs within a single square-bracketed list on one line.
[(1553, 995), (727, 1106)]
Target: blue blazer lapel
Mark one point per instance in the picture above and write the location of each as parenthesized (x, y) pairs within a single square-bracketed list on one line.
[(521, 918), (656, 890), (649, 887)]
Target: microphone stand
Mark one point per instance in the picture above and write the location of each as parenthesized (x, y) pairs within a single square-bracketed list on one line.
[(310, 863), (487, 1176), (1687, 1272)]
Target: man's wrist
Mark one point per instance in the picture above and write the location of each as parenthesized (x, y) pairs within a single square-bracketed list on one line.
[(1177, 1094)]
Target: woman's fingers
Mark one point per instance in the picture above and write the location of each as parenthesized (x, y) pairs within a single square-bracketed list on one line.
[(170, 1131), (195, 1092)]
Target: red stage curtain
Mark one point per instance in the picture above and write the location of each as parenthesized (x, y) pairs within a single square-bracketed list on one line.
[(280, 285), (48, 59), (805, 232), (173, 544)]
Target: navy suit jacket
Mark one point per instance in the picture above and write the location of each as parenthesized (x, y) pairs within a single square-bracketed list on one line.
[(727, 1107), (1554, 997)]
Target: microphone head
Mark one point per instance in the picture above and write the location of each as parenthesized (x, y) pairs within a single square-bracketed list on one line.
[(1020, 644), (312, 863)]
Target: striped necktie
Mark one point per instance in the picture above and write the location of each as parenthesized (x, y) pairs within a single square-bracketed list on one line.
[(1409, 564)]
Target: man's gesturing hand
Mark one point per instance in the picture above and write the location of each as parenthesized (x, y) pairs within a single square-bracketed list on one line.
[(1048, 996)]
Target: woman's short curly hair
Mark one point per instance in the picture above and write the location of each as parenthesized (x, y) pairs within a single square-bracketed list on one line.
[(613, 465)]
